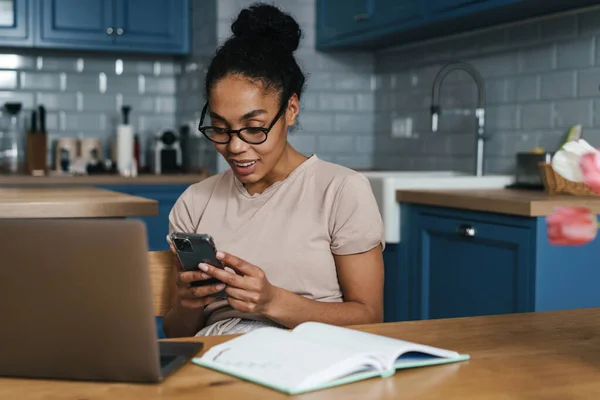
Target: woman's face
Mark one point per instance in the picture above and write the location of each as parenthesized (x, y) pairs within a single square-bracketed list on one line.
[(237, 102)]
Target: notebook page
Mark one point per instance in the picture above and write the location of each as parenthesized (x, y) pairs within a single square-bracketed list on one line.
[(387, 348), (280, 358)]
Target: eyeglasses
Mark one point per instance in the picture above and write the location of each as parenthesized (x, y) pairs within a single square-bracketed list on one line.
[(250, 135)]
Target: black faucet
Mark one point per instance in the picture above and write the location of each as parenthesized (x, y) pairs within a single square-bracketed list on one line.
[(436, 111)]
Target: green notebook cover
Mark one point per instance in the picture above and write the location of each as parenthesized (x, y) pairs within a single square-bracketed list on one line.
[(317, 356)]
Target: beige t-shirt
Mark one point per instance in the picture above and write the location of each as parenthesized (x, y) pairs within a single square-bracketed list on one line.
[(291, 230)]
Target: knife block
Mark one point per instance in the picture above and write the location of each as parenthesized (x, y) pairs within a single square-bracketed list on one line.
[(36, 153)]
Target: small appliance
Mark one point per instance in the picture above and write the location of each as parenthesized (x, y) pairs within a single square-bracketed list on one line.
[(165, 152), (527, 171)]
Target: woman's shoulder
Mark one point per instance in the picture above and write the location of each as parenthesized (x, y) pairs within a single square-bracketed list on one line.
[(330, 174)]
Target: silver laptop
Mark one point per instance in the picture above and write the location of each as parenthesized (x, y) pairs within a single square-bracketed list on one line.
[(76, 303)]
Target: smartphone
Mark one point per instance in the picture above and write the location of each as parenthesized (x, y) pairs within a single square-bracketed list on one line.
[(193, 249)]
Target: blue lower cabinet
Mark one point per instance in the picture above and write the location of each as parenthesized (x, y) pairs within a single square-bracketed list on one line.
[(157, 226), (459, 263)]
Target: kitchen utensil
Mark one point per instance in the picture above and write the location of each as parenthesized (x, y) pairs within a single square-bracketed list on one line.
[(125, 160), (37, 143)]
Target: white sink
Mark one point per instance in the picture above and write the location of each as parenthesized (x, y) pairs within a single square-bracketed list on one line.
[(385, 184)]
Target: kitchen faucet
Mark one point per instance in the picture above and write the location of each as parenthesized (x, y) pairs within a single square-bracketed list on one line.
[(479, 111)]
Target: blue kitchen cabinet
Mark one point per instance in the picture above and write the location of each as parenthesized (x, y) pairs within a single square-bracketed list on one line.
[(459, 275), (444, 6), (461, 263), (157, 227), (375, 24), (337, 21), (75, 23), (16, 28), (151, 26), (387, 14), (156, 25)]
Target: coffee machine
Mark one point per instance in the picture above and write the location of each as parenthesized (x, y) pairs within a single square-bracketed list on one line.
[(165, 152)]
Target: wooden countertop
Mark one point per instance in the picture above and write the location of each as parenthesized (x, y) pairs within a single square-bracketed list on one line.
[(527, 203), (549, 355), (91, 180), (72, 202)]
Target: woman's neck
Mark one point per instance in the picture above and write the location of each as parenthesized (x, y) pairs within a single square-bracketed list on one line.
[(290, 160)]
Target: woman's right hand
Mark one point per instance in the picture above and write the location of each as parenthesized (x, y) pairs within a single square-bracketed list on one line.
[(193, 297)]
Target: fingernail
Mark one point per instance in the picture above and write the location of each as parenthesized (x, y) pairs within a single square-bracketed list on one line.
[(168, 239), (203, 267), (220, 286), (220, 255)]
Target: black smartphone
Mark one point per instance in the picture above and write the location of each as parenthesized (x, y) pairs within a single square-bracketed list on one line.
[(193, 249)]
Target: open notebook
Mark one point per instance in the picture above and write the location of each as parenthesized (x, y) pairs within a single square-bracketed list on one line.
[(316, 356)]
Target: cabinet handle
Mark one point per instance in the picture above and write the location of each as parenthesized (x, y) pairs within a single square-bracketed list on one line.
[(109, 31), (361, 17), (466, 230), (120, 31)]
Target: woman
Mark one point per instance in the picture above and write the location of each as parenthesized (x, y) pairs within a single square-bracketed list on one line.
[(303, 236)]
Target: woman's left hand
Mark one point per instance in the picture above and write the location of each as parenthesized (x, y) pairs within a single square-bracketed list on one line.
[(249, 290)]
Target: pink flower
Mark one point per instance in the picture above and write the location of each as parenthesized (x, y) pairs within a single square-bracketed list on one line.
[(590, 167), (571, 226)]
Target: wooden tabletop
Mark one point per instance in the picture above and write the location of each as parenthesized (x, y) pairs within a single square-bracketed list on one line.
[(549, 355), (529, 203), (72, 202), (90, 180)]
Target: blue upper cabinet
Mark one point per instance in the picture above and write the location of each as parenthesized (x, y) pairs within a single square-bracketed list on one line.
[(336, 22), (372, 24), (149, 26), (152, 24), (75, 23), (16, 28)]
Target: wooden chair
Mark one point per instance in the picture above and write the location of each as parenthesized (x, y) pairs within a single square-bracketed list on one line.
[(160, 264)]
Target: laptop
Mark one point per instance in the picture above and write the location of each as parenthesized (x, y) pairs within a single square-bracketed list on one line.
[(76, 303)]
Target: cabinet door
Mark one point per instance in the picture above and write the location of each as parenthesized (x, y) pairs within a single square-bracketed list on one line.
[(337, 19), (465, 6), (153, 25), (446, 5), (396, 12), (468, 268), (15, 22), (76, 23)]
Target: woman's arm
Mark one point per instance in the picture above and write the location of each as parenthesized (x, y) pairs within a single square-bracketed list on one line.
[(360, 276), (361, 280)]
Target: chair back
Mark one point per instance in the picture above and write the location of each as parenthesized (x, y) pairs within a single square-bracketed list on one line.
[(161, 277)]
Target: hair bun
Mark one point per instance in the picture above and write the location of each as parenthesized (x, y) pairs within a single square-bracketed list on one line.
[(270, 23)]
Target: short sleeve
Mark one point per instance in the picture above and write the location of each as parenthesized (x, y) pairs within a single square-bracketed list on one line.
[(356, 223), (182, 217)]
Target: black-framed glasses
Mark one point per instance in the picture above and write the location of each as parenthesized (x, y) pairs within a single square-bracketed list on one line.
[(250, 135)]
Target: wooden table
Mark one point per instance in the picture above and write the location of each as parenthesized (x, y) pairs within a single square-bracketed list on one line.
[(551, 356), (100, 179), (528, 203), (72, 202)]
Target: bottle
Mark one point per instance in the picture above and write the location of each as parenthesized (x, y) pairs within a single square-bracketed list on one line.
[(12, 141), (125, 144), (136, 151)]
